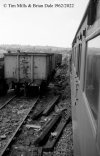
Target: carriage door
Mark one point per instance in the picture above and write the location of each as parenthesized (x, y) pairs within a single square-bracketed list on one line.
[(92, 89), (87, 98)]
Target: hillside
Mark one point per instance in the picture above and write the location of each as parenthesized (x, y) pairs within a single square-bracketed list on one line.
[(28, 48)]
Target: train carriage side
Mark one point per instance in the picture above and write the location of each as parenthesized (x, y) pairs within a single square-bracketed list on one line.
[(85, 83)]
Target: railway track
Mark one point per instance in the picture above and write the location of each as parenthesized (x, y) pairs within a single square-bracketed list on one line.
[(37, 125), (5, 103), (6, 99), (12, 117)]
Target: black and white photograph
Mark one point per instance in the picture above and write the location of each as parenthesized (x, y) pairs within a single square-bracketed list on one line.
[(49, 77)]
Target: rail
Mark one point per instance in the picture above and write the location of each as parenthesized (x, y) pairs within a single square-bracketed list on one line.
[(7, 101), (5, 150)]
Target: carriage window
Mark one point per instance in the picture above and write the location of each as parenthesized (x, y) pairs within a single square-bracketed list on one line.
[(92, 79)]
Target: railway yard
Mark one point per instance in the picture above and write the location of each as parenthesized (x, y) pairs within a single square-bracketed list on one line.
[(40, 125)]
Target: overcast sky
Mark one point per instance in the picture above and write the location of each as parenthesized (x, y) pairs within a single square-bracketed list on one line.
[(40, 26)]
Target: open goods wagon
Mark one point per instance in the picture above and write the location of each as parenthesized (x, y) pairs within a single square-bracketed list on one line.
[(28, 69)]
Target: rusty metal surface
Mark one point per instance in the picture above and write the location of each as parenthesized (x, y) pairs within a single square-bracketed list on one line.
[(25, 69), (28, 67)]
